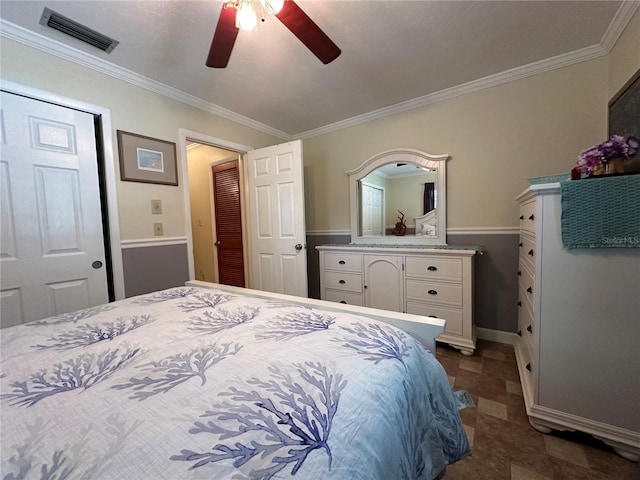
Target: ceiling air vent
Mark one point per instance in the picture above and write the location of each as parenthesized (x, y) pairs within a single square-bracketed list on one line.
[(66, 25)]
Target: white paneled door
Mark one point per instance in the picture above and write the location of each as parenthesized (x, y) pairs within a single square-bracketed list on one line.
[(372, 210), (52, 256), (278, 242)]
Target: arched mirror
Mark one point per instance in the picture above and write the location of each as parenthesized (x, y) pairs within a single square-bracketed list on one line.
[(399, 197)]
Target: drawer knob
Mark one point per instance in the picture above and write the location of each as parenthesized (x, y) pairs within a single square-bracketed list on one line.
[(531, 217), (521, 217), (530, 252), (520, 244), (432, 292), (529, 290), (431, 268), (528, 367), (519, 273), (366, 286), (342, 301), (342, 282), (342, 262), (519, 333), (529, 329), (519, 303)]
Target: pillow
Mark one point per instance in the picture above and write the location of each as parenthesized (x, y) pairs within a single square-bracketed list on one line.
[(426, 229)]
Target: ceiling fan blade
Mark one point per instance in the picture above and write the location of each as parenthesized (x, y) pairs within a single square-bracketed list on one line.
[(308, 32), (223, 39)]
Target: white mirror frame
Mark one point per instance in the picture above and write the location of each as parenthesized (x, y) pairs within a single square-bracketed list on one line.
[(403, 155)]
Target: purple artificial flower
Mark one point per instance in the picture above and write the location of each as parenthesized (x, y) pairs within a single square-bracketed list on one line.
[(589, 159), (618, 146)]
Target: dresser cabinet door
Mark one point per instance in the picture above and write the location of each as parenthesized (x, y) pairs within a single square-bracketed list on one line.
[(383, 282)]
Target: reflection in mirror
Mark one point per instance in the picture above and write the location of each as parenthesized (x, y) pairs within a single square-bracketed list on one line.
[(396, 190), (399, 196)]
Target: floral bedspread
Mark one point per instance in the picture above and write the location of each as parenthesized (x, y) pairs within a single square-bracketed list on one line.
[(192, 383)]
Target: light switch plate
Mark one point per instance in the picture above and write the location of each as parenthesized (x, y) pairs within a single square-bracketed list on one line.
[(156, 207), (157, 229)]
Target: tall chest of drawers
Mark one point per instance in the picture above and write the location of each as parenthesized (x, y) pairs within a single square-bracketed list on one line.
[(578, 344), (431, 282)]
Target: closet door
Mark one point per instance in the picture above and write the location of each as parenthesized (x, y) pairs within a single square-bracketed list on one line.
[(52, 245), (383, 282), (226, 191)]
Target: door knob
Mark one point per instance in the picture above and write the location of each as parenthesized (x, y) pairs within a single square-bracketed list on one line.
[(97, 264), (298, 247), (217, 243)]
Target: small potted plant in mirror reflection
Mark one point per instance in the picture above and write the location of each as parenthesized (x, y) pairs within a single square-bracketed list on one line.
[(401, 226)]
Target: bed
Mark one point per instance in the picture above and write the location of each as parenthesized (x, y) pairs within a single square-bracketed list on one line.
[(217, 382)]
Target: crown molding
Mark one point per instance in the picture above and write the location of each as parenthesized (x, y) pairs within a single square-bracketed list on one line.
[(618, 24), (40, 42), (514, 74), (66, 52)]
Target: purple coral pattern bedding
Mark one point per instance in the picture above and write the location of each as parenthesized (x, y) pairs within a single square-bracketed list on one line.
[(191, 383)]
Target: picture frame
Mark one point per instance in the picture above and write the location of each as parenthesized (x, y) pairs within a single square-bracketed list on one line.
[(146, 159), (624, 109)]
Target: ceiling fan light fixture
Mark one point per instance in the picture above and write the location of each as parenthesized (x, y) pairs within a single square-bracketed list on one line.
[(272, 6), (246, 16)]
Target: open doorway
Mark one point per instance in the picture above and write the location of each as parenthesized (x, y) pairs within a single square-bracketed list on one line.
[(217, 214), (271, 185)]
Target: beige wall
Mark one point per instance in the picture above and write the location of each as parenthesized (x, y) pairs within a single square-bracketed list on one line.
[(133, 109), (202, 215), (497, 138), (624, 59)]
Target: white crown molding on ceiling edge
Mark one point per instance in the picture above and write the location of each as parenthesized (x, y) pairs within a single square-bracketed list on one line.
[(618, 24), (615, 29), (59, 49), (514, 74)]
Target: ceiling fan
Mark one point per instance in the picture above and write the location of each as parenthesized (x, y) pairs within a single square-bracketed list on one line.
[(239, 15)]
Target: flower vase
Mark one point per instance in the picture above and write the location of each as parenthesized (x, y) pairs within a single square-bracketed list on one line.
[(615, 165), (599, 170)]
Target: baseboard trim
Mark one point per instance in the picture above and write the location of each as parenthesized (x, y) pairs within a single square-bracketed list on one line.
[(153, 242), (497, 336)]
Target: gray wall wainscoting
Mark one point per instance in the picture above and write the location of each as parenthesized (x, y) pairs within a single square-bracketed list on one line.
[(157, 267), (495, 282)]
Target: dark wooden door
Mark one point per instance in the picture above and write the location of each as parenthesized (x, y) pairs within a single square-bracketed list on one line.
[(226, 194)]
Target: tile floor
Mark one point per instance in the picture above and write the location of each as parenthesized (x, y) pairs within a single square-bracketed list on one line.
[(504, 445)]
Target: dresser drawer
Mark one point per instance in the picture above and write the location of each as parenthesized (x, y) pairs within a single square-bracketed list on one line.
[(453, 316), (527, 248), (527, 361), (340, 296), (526, 324), (526, 286), (343, 281), (528, 216), (346, 262), (434, 268), (434, 292)]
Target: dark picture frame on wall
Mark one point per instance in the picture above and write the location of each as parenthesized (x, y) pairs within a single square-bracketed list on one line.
[(624, 109), (147, 160)]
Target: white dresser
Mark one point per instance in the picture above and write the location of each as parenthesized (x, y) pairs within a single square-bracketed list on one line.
[(428, 281), (578, 349)]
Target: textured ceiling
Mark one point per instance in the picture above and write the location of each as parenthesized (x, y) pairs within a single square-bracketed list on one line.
[(392, 51)]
